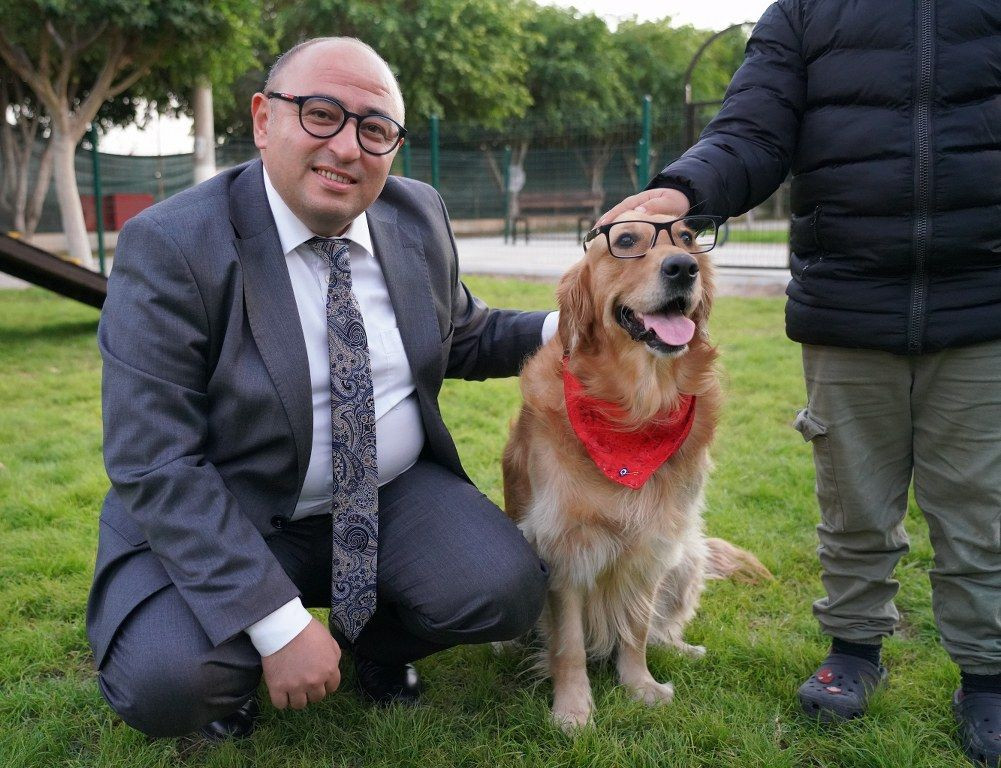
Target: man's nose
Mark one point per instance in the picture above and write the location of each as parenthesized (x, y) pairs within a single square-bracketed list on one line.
[(679, 270), (344, 143)]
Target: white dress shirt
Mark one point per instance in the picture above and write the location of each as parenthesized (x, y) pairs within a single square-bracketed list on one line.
[(398, 428)]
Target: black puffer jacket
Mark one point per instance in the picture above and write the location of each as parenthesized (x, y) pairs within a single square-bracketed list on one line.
[(888, 113)]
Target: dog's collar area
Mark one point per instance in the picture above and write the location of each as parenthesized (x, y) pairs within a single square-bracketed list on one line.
[(628, 458)]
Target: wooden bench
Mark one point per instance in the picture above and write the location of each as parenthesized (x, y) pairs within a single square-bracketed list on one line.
[(586, 204)]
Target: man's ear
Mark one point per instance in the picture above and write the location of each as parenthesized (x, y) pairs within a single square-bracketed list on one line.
[(259, 112), (577, 320)]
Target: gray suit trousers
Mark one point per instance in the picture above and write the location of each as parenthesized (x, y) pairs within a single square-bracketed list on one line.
[(452, 570)]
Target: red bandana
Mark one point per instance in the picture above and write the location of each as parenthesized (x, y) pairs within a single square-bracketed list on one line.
[(628, 458)]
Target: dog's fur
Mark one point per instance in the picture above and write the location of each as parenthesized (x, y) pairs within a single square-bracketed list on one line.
[(626, 566)]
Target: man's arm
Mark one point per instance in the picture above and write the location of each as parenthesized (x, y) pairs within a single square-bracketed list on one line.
[(746, 151), (486, 343)]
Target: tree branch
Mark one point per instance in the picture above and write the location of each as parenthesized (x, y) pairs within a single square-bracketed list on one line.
[(127, 81), (100, 91), (89, 41), (54, 34), (18, 61)]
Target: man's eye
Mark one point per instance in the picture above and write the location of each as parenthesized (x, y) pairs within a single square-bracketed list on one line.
[(375, 130), (320, 115)]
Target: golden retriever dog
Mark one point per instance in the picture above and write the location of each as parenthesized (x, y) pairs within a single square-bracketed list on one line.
[(606, 464)]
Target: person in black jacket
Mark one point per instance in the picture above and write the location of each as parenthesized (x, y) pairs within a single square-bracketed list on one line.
[(888, 115)]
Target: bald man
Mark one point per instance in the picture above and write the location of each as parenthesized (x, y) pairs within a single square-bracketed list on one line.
[(220, 442)]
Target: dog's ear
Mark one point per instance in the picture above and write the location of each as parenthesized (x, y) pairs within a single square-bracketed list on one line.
[(577, 320)]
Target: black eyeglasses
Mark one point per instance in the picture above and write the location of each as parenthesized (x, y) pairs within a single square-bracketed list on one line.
[(323, 117), (632, 239)]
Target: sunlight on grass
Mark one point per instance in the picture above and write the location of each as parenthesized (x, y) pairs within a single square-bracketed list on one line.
[(733, 708)]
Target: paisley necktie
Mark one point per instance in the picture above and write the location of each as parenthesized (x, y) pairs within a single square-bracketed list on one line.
[(352, 410)]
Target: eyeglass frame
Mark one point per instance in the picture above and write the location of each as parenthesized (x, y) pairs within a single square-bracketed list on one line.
[(348, 114), (659, 226)]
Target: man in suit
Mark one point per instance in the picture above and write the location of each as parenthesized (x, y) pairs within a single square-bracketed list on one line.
[(220, 441)]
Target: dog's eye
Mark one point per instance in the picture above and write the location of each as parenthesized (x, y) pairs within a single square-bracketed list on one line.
[(686, 238), (626, 240)]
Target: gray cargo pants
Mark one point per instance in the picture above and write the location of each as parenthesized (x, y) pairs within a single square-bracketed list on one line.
[(876, 420)]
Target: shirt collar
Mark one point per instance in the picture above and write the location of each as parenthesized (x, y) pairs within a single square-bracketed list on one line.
[(292, 232)]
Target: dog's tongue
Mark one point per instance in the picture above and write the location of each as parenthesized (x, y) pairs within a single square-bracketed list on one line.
[(674, 329)]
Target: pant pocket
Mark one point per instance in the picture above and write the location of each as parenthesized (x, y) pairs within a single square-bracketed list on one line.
[(832, 512)]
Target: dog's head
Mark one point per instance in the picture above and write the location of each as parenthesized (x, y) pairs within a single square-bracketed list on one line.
[(645, 280)]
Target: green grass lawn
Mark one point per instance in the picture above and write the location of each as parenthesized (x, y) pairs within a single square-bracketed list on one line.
[(735, 707), (737, 234)]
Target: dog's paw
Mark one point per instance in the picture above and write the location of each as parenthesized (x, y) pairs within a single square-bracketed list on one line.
[(651, 692), (691, 651), (570, 719), (572, 709)]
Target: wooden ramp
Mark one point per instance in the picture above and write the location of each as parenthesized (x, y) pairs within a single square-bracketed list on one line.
[(47, 271)]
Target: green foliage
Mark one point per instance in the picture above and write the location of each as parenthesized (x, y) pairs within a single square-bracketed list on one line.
[(576, 71), (459, 59), (173, 42), (530, 70), (733, 709)]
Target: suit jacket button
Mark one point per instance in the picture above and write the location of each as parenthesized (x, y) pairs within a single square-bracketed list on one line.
[(278, 522)]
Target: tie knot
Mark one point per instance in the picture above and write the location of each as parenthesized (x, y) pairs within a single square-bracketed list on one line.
[(330, 249)]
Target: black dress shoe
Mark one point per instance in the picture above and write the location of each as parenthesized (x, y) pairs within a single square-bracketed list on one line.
[(387, 684), (238, 725)]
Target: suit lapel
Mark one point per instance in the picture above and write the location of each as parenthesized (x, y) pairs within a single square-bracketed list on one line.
[(401, 256), (271, 308)]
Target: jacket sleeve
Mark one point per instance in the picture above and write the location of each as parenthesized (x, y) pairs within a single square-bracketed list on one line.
[(154, 338), (746, 150), (487, 343)]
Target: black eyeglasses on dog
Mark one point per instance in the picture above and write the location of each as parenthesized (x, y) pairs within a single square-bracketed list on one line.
[(633, 239)]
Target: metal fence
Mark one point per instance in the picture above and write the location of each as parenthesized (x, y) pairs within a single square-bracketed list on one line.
[(524, 181)]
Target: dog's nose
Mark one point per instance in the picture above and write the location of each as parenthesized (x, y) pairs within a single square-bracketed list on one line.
[(679, 269)]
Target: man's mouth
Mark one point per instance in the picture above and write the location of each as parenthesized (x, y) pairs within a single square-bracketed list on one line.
[(340, 178), (666, 330)]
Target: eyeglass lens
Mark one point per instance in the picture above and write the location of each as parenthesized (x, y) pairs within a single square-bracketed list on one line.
[(632, 239), (324, 118)]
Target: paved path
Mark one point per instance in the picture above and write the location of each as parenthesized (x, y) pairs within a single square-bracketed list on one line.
[(742, 269)]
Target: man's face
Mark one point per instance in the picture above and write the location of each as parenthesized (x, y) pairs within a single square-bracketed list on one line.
[(325, 182)]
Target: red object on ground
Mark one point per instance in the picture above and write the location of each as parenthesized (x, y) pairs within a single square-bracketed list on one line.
[(119, 208), (116, 209)]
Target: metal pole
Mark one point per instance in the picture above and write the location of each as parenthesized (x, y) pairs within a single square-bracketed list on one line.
[(507, 192), (687, 80), (406, 158), (98, 212), (434, 151), (644, 159)]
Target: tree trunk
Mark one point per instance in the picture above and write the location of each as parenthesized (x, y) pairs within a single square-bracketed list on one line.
[(9, 166), (43, 178), (77, 242), (204, 132), (22, 168)]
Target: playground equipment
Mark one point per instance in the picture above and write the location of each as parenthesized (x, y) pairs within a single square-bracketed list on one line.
[(46, 270)]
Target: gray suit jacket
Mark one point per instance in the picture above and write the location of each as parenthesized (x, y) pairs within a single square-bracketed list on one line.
[(206, 394)]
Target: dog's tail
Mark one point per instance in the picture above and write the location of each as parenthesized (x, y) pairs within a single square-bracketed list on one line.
[(724, 561)]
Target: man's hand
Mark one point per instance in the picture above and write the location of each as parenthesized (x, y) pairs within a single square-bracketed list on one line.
[(305, 670), (667, 201)]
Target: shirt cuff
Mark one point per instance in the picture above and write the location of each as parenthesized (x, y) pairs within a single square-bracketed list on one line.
[(277, 629), (550, 325)]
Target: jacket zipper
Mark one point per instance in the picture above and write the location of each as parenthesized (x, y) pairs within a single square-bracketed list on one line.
[(922, 177)]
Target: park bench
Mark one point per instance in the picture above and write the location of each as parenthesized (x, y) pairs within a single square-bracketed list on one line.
[(584, 203)]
